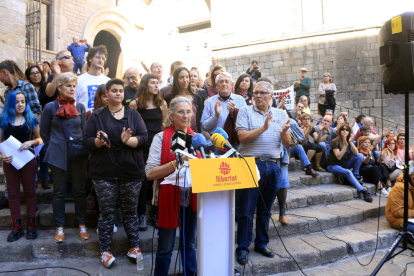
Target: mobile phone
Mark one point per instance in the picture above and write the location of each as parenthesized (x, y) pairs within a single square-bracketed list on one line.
[(82, 41), (256, 67), (104, 139)]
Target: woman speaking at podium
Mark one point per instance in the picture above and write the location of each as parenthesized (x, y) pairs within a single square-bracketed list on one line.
[(161, 163)]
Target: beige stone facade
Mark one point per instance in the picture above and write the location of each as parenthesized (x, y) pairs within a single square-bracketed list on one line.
[(325, 36)]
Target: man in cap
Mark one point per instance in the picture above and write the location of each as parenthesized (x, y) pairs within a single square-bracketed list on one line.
[(302, 86)]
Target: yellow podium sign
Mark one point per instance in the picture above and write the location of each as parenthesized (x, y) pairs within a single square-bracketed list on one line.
[(221, 174)]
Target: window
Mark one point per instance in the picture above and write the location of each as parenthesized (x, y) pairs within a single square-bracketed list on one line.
[(36, 30)]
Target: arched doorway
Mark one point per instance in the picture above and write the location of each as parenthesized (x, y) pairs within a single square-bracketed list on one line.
[(114, 50)]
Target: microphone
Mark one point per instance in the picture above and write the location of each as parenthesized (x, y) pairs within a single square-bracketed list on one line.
[(210, 147), (220, 142), (189, 144), (221, 131), (178, 143), (199, 142)]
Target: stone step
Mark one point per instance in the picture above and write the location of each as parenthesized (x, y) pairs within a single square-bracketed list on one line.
[(320, 194), (316, 249), (44, 247), (329, 216), (310, 250)]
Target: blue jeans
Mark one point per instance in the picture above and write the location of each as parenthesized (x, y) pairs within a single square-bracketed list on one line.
[(355, 163), (78, 64), (299, 152), (166, 241), (325, 148), (250, 199), (338, 170)]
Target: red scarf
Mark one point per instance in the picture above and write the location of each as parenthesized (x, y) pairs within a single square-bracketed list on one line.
[(67, 108), (169, 199)]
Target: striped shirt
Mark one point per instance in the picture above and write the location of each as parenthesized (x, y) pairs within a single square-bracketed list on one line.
[(268, 144)]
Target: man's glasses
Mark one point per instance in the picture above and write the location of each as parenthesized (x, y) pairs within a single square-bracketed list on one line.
[(257, 93), (66, 57), (99, 57)]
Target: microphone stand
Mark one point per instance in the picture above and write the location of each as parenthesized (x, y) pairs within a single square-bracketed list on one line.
[(404, 234)]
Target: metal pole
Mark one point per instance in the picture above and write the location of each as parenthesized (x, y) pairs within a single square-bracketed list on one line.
[(40, 30), (407, 160)]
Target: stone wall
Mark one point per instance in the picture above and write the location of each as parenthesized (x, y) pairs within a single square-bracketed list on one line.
[(13, 30), (351, 58)]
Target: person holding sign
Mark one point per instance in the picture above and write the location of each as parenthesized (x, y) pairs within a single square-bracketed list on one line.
[(20, 122), (262, 132)]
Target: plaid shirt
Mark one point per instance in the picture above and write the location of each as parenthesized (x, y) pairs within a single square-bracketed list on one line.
[(31, 93)]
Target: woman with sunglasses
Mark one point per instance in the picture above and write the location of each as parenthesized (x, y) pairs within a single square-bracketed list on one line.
[(115, 136), (343, 156), (370, 169)]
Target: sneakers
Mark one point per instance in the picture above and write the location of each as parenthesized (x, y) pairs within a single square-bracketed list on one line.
[(17, 230), (382, 192), (388, 189), (4, 203), (107, 259), (59, 235), (367, 195), (83, 234), (132, 252), (143, 223)]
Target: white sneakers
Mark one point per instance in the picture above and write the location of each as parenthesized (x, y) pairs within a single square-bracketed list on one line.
[(383, 192), (107, 259)]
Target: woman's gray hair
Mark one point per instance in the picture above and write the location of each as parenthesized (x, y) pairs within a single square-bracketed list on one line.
[(224, 74), (173, 105), (64, 78)]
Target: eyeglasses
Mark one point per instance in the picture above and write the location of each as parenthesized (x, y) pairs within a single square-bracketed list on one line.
[(329, 110), (345, 129), (306, 119), (182, 113), (261, 93), (35, 73), (300, 106), (391, 143), (66, 57)]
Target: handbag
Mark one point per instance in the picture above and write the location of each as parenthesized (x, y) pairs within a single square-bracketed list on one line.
[(294, 140), (91, 200), (76, 152)]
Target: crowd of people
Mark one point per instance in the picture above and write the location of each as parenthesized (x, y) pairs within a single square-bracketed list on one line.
[(117, 133)]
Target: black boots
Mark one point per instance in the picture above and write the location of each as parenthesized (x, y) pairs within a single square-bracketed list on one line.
[(31, 233), (45, 183), (17, 230)]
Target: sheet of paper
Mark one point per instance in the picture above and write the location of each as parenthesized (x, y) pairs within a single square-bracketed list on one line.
[(10, 147), (184, 171), (38, 148)]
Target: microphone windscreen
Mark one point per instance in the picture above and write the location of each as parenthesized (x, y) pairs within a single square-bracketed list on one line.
[(188, 140), (218, 140), (221, 131), (178, 140), (199, 141)]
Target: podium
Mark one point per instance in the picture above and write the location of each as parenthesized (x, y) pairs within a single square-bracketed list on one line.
[(214, 181)]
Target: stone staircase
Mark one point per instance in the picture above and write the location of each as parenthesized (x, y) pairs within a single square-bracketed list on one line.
[(328, 222)]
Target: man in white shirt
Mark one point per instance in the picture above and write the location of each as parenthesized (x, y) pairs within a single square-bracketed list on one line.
[(89, 82)]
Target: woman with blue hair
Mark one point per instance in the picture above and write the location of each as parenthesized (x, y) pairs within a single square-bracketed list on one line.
[(19, 121)]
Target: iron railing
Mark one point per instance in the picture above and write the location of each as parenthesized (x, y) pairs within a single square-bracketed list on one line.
[(34, 30)]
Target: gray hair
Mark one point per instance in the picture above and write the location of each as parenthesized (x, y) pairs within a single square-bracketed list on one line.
[(368, 120), (268, 86), (173, 105), (224, 74), (64, 78), (59, 55)]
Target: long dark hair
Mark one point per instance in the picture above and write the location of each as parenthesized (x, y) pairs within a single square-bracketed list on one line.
[(42, 84), (340, 138), (97, 103), (142, 96), (176, 86), (239, 80), (13, 68)]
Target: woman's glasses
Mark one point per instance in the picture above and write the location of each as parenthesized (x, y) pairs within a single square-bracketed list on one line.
[(345, 129)]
